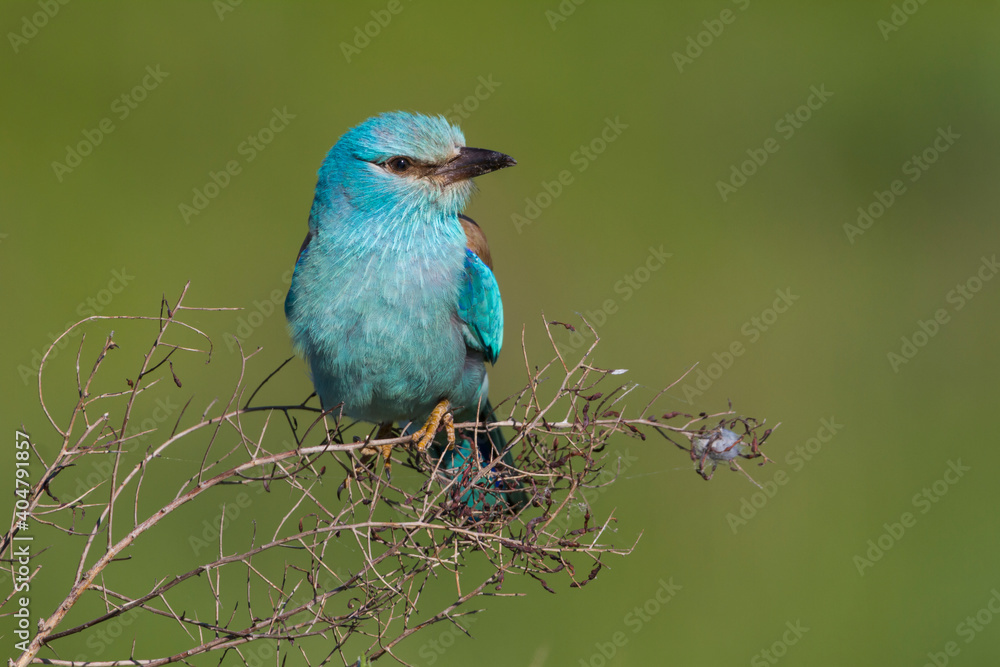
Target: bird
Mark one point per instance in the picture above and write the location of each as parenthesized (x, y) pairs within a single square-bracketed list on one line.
[(393, 302)]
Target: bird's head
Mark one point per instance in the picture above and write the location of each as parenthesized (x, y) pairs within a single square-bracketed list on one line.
[(407, 161)]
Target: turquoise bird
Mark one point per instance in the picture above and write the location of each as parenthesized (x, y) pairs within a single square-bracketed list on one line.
[(393, 303)]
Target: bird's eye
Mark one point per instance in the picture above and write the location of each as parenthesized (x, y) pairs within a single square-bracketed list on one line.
[(398, 164)]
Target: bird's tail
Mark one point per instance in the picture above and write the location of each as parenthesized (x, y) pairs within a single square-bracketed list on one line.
[(496, 486)]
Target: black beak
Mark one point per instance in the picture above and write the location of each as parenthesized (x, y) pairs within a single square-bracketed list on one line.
[(472, 162)]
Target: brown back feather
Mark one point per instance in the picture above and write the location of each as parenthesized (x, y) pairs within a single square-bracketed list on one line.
[(475, 240)]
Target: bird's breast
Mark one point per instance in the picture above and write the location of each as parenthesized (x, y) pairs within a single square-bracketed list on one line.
[(378, 324)]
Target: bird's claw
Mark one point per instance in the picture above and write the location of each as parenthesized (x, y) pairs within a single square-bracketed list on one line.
[(439, 415), (449, 429), (384, 433), (386, 451)]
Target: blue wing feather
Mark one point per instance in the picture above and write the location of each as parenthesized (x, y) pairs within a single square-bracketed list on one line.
[(480, 308)]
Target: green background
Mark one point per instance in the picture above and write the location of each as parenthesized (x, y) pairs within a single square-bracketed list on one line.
[(555, 86)]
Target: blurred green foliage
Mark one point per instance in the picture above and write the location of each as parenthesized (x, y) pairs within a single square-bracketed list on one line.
[(207, 90)]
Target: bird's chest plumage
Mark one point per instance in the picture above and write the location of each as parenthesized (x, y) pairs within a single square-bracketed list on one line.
[(377, 320)]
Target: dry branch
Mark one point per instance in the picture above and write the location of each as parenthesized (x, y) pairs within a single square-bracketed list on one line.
[(407, 538)]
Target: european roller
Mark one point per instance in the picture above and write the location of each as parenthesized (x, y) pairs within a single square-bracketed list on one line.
[(393, 303)]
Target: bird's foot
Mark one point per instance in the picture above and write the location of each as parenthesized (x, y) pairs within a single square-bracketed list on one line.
[(441, 414), (384, 433)]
